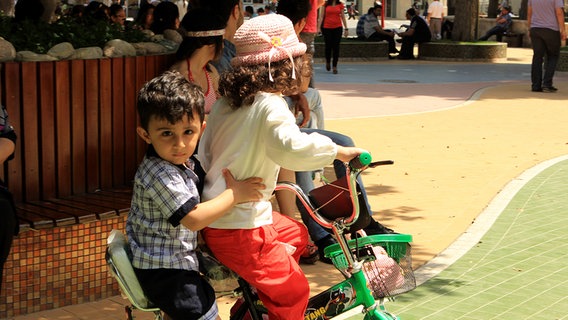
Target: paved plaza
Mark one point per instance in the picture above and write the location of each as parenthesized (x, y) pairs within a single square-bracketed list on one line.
[(479, 180)]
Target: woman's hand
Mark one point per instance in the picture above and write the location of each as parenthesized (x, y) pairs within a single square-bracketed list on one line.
[(345, 154)]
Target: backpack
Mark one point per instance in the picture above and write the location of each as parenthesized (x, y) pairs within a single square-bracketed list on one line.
[(361, 26)]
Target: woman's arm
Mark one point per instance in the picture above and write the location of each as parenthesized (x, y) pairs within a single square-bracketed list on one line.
[(7, 147), (344, 21), (321, 17)]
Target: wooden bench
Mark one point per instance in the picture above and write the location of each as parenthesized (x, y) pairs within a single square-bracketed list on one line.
[(513, 39), (77, 148), (76, 156)]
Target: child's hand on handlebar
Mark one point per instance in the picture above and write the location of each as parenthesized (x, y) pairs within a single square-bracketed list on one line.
[(244, 190), (345, 154)]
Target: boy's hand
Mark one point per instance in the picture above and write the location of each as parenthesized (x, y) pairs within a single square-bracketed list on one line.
[(244, 190), (345, 154)]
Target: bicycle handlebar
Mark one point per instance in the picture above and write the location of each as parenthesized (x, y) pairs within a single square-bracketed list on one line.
[(360, 161), (353, 168)]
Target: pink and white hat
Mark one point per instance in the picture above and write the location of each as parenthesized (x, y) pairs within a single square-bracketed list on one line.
[(267, 38)]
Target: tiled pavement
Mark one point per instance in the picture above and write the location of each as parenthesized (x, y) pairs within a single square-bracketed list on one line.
[(517, 270), (517, 267)]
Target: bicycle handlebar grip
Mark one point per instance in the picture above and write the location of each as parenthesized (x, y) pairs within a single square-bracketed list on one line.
[(362, 160)]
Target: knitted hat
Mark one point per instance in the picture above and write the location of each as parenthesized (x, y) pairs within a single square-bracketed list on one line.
[(264, 39)]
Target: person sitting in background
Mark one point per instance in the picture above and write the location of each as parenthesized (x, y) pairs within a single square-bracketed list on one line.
[(360, 29), (374, 32), (166, 19), (417, 32), (96, 10), (504, 21), (249, 12), (117, 14), (145, 16)]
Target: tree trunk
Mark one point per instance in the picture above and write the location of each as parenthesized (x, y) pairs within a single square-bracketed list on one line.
[(465, 25), (523, 10), (492, 8), (7, 7)]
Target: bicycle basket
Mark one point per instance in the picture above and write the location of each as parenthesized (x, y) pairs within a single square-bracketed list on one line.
[(387, 262)]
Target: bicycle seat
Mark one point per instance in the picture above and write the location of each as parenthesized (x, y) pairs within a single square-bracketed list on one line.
[(119, 260), (333, 202)]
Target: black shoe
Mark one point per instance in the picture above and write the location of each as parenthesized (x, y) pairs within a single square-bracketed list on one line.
[(537, 90), (310, 255), (549, 89), (375, 227), (322, 244)]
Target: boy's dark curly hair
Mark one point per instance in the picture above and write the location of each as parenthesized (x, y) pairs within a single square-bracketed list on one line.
[(169, 96), (241, 84)]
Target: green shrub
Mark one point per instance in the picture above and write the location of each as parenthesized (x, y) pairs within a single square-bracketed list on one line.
[(40, 36)]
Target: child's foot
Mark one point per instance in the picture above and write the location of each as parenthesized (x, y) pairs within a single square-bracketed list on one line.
[(310, 255), (322, 244), (334, 70), (376, 227)]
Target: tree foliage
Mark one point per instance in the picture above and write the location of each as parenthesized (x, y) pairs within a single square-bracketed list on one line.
[(39, 36)]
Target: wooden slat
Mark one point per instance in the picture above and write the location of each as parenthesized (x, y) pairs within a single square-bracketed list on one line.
[(47, 129), (11, 83), (78, 136), (79, 215), (118, 127), (106, 138), (57, 217), (29, 133), (63, 128), (92, 101), (130, 119), (141, 77), (34, 220), (78, 202), (120, 204)]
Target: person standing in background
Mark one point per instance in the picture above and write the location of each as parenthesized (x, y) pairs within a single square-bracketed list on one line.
[(434, 18), (332, 24), (545, 19), (308, 33)]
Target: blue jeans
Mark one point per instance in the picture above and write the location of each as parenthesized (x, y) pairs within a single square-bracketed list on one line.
[(305, 181)]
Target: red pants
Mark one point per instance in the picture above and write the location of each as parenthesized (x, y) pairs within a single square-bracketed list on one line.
[(258, 257)]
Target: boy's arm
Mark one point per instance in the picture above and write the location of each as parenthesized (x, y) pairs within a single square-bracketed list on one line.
[(207, 212)]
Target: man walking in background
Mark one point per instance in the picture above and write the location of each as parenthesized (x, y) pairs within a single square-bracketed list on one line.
[(434, 18), (546, 30)]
